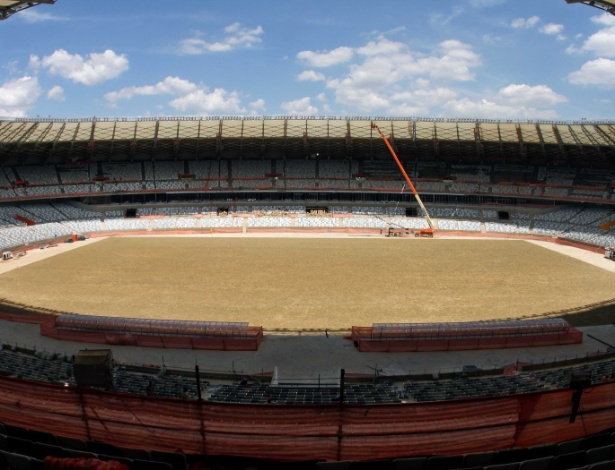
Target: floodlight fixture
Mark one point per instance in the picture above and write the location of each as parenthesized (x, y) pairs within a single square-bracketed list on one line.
[(9, 7)]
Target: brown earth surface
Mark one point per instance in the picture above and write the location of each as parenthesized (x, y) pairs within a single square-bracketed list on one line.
[(312, 284)]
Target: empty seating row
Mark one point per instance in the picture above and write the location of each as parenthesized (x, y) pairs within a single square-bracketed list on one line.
[(262, 393)]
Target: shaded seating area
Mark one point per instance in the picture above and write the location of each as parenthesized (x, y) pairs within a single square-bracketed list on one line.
[(457, 336)]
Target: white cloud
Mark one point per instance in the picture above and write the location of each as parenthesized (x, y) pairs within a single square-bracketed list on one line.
[(600, 72), (300, 107), (420, 102), (390, 68), (56, 94), (18, 96), (527, 95), (526, 23), (327, 58), (514, 101), (169, 86), (310, 76), (486, 3), (489, 109), (258, 106), (95, 68), (601, 43), (189, 97), (237, 36), (455, 64), (202, 102), (605, 19), (553, 29), (32, 16)]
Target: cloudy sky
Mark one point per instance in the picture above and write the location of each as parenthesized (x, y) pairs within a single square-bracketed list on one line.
[(501, 59)]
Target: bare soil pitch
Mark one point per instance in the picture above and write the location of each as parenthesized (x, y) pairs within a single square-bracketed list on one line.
[(310, 284)]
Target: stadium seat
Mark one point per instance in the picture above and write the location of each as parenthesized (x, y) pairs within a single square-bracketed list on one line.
[(175, 459), (21, 446), (571, 460), (597, 440), (71, 443), (98, 447), (540, 451), (542, 463), (15, 461), (600, 454), (410, 463), (479, 459), (503, 466), (42, 450), (15, 431), (130, 453), (510, 455), (381, 464), (42, 437), (341, 465), (608, 465), (441, 462), (150, 465), (568, 447)]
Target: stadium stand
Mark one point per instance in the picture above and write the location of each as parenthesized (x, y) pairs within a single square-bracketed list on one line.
[(497, 184)]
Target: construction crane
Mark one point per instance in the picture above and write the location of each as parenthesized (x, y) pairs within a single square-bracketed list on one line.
[(426, 232)]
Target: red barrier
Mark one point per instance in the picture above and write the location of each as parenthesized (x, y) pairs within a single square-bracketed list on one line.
[(250, 340), (426, 337), (302, 432)]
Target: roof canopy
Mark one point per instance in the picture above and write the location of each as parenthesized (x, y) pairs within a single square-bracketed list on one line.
[(8, 7), (537, 143), (607, 5)]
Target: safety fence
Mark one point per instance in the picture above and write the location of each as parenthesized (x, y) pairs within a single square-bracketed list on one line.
[(223, 336), (304, 432), (401, 337)]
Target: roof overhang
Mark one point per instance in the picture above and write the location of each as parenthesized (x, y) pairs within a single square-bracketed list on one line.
[(8, 7), (606, 5)]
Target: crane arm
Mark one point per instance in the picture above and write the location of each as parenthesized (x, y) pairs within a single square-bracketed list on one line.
[(403, 171)]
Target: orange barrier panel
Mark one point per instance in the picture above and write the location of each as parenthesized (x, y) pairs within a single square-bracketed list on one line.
[(305, 432), (25, 220), (608, 225)]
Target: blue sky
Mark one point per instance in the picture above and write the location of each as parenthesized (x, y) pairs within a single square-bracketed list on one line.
[(500, 59)]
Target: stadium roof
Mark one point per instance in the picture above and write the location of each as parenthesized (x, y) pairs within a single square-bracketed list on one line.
[(8, 7), (57, 141), (607, 5)]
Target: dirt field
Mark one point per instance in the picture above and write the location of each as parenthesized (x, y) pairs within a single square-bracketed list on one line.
[(309, 284)]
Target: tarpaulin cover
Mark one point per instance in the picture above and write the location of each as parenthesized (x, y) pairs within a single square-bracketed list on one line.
[(305, 432)]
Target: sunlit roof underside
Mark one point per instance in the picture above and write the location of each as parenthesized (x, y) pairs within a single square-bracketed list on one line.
[(8, 7), (607, 5)]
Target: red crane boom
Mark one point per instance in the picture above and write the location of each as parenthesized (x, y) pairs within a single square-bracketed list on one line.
[(430, 231)]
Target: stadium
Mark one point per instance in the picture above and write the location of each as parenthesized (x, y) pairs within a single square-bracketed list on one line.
[(271, 186), (306, 292)]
